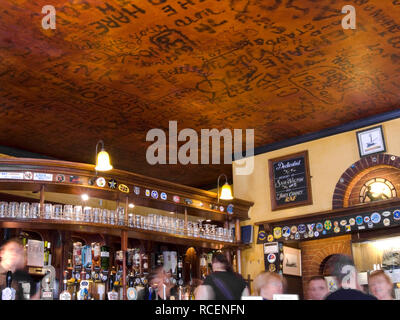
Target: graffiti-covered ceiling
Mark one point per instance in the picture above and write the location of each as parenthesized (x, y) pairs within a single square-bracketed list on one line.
[(115, 69)]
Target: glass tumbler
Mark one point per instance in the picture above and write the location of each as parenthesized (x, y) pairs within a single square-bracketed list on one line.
[(226, 235), (121, 216), (87, 214), (13, 209), (220, 234), (3, 209), (195, 229), (96, 215), (34, 211), (77, 213), (130, 220), (138, 221), (47, 211), (104, 216), (151, 221), (145, 222), (68, 210), (171, 222), (23, 210), (111, 218), (57, 211)]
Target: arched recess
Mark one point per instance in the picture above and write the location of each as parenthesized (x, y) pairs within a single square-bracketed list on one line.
[(357, 170)]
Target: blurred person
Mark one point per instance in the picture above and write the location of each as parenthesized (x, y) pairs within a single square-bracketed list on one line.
[(155, 291), (266, 284), (317, 288), (380, 285), (222, 283), (346, 277), (12, 258)]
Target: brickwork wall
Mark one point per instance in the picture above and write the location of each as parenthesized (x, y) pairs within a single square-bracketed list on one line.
[(314, 252), (358, 169)]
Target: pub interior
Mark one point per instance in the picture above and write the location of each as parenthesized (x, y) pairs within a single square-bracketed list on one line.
[(142, 139)]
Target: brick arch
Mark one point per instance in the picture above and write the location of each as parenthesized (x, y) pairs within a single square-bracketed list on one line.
[(315, 252), (361, 167)]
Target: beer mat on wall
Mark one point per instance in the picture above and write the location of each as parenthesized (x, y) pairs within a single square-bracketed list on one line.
[(331, 226), (261, 235)]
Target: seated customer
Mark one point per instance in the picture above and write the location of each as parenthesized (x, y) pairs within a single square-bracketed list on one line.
[(317, 288), (266, 284), (380, 285)]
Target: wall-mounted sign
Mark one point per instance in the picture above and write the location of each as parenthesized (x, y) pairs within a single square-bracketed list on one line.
[(43, 176), (290, 181), (12, 175), (370, 141)]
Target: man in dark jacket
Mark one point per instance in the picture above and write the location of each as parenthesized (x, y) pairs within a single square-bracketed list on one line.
[(223, 283), (346, 276)]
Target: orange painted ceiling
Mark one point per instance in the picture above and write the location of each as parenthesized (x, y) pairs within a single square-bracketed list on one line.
[(115, 69)]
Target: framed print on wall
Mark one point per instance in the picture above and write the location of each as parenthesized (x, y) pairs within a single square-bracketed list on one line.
[(291, 261), (371, 141), (290, 184)]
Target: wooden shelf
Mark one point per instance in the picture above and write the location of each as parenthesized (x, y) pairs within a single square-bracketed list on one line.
[(85, 172), (114, 230)]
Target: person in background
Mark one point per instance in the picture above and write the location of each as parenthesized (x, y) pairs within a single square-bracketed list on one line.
[(345, 272), (13, 259), (266, 284), (380, 285), (222, 283), (317, 288), (155, 291)]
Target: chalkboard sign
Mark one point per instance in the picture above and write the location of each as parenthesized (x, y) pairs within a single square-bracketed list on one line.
[(290, 181)]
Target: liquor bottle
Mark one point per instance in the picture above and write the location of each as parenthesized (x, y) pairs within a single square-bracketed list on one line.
[(99, 289), (96, 255), (145, 263), (131, 292), (203, 266), (65, 294), (83, 293), (46, 291), (46, 256), (71, 282), (111, 294), (180, 272), (104, 258), (8, 293)]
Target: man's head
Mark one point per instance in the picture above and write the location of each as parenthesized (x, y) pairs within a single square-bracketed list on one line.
[(12, 255), (343, 269), (317, 288), (156, 277), (380, 285), (220, 263), (266, 284)]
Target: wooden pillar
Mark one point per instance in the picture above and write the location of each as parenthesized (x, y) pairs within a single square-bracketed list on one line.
[(238, 237), (124, 247)]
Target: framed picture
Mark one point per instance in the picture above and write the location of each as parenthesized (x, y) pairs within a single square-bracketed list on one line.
[(290, 184), (371, 141), (291, 261)]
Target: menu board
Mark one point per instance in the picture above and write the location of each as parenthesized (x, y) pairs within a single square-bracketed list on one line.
[(290, 181)]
